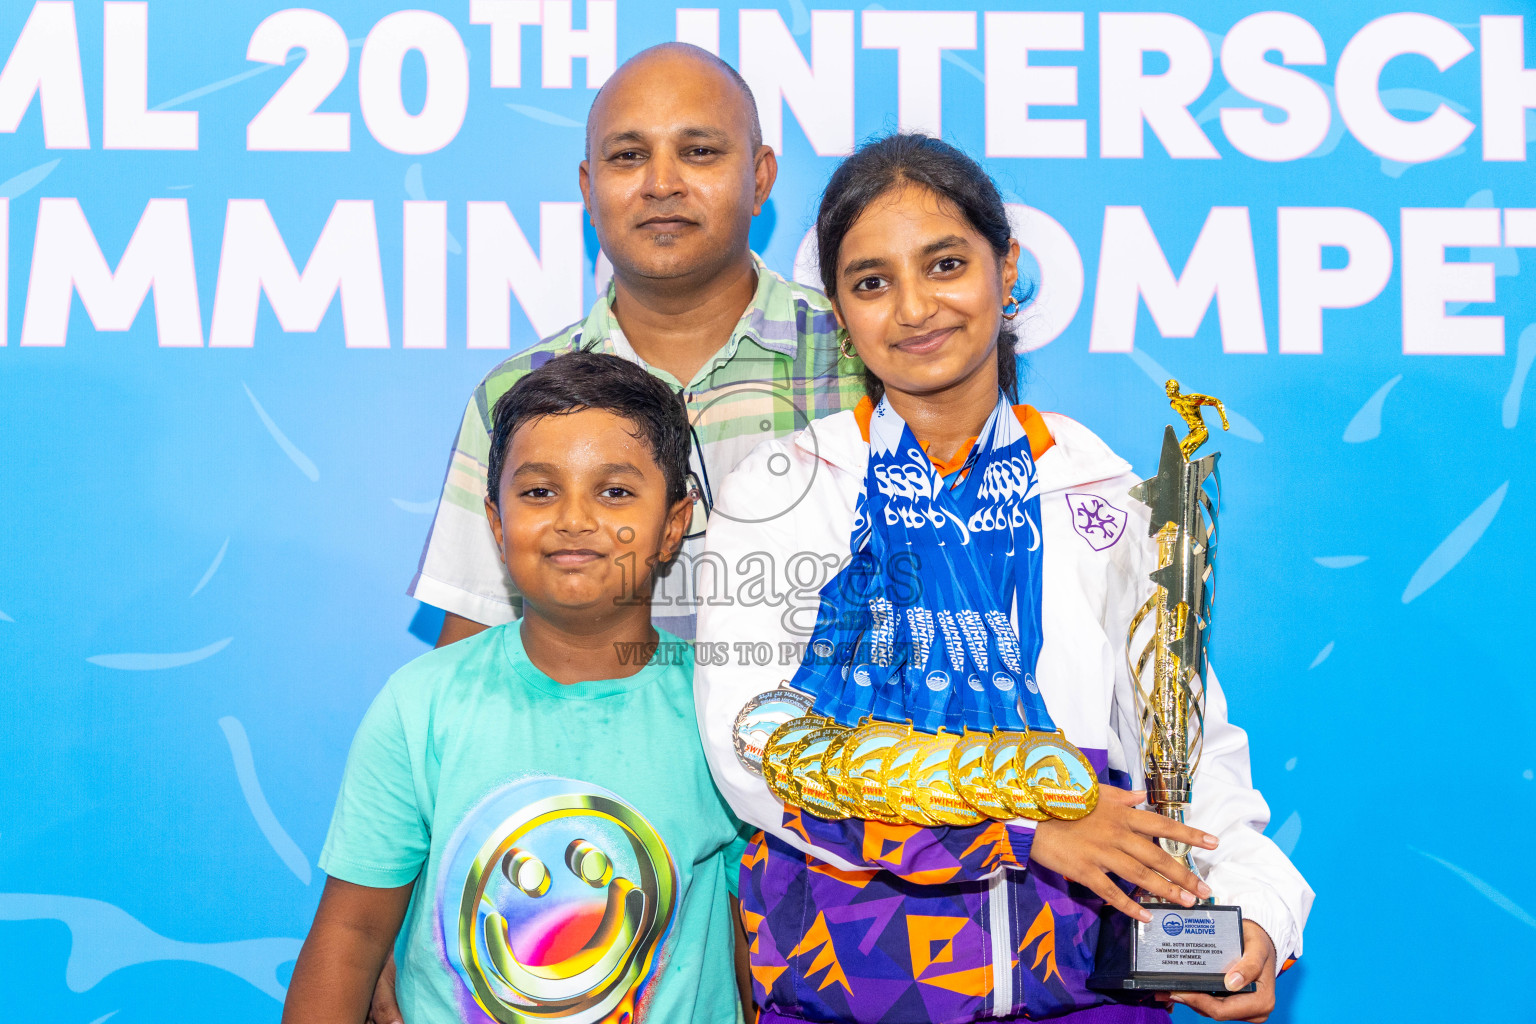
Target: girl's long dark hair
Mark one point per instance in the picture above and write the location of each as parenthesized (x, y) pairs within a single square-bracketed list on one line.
[(911, 158)]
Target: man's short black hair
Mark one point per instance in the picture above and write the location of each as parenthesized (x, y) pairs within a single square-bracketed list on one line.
[(590, 380)]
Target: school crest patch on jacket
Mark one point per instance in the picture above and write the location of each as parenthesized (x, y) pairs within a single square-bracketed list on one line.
[(1096, 520)]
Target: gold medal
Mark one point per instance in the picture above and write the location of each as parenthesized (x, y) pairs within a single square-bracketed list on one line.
[(863, 753), (933, 788), (895, 780), (758, 718), (803, 772), (1058, 774), (968, 775), (776, 755), (842, 790), (1002, 773), (830, 775)]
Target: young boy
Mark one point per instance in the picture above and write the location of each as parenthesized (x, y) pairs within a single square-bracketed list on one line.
[(533, 802)]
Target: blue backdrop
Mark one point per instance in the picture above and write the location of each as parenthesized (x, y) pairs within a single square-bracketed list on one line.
[(206, 547)]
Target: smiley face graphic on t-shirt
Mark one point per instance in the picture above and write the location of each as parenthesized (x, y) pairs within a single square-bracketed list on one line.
[(554, 899)]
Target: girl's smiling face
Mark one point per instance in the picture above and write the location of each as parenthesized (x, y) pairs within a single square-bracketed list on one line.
[(921, 292)]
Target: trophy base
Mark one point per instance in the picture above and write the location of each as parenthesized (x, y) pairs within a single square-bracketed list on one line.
[(1182, 949)]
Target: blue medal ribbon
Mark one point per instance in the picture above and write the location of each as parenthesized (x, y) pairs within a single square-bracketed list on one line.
[(919, 625)]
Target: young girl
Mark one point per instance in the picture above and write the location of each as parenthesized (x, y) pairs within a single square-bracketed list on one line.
[(853, 919)]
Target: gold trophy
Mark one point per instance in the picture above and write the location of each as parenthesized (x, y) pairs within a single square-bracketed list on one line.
[(1182, 949)]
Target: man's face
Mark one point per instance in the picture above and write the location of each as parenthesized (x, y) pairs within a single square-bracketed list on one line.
[(671, 178), (583, 514)]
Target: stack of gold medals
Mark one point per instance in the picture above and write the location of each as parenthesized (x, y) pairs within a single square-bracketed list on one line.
[(892, 773)]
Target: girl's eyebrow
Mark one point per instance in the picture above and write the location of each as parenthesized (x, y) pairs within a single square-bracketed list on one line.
[(859, 266), (947, 242)]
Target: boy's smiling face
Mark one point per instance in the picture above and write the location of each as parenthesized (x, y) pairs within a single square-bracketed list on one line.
[(583, 512)]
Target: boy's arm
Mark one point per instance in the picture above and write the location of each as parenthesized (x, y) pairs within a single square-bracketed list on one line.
[(377, 843), (743, 959), (456, 627), (355, 926)]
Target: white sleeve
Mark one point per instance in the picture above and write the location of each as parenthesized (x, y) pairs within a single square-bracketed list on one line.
[(743, 613), (1247, 869), (461, 569)]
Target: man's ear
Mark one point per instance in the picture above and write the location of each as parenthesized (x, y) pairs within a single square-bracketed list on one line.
[(678, 518), (584, 181), (765, 171), (493, 514)]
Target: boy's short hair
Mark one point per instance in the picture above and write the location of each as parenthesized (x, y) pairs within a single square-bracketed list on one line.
[(591, 380)]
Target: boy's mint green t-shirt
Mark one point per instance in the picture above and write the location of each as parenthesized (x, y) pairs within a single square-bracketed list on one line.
[(571, 852)]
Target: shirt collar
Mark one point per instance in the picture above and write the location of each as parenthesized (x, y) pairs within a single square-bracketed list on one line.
[(769, 320)]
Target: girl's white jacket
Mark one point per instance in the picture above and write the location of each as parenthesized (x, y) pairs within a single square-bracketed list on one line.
[(779, 529)]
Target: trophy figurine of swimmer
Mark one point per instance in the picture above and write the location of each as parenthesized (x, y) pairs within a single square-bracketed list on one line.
[(1182, 949)]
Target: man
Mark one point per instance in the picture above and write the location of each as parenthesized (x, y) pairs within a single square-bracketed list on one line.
[(675, 170)]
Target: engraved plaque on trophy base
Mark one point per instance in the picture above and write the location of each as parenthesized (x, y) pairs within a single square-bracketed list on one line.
[(1182, 949)]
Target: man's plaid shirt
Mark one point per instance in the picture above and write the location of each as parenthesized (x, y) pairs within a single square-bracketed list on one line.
[(779, 370)]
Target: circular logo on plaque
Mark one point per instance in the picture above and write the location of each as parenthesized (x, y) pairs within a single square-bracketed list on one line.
[(1173, 924)]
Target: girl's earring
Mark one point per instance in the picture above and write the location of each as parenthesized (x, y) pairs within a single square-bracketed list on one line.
[(1009, 314), (844, 342)]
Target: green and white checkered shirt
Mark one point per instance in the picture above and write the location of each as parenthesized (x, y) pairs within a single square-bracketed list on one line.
[(779, 370)]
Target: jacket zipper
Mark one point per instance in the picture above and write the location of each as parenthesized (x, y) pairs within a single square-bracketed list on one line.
[(1002, 944)]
